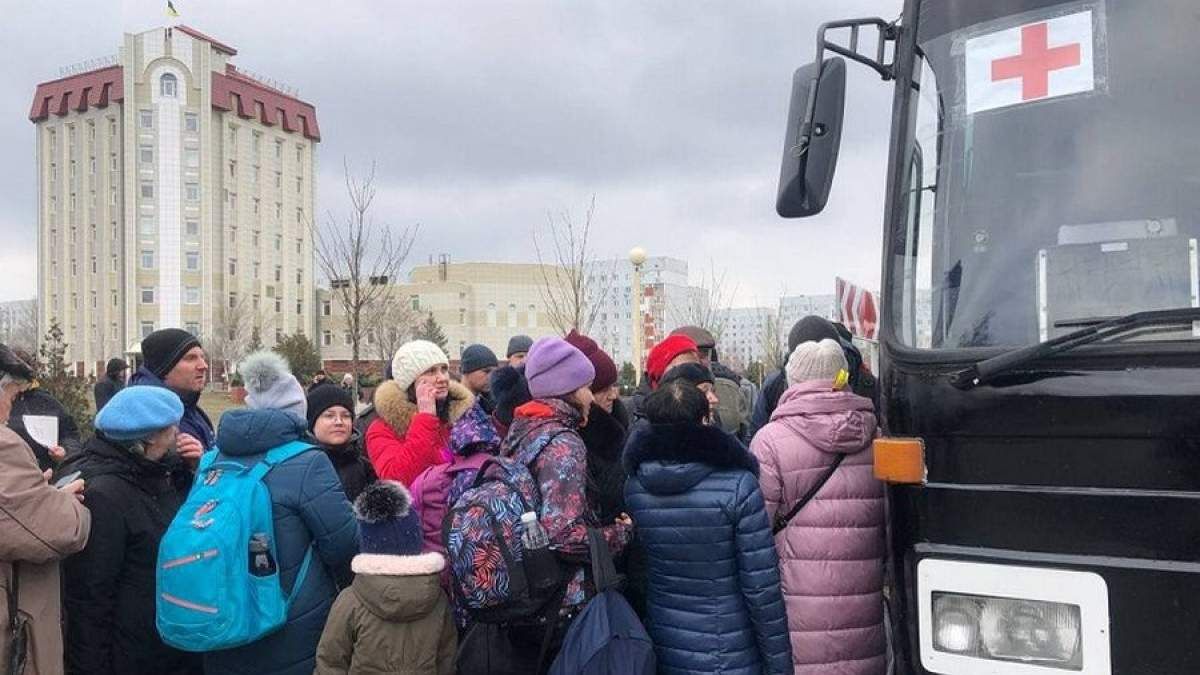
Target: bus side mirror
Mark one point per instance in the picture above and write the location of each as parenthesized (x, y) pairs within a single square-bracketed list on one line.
[(814, 133)]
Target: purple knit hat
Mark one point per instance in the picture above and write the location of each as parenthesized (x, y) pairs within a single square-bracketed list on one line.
[(555, 368)]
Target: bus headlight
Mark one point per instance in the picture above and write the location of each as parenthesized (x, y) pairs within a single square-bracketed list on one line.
[(1008, 629), (976, 618)]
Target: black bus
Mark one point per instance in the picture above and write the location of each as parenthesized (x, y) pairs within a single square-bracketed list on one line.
[(1040, 337)]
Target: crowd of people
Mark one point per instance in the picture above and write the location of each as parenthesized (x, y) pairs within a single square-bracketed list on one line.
[(410, 536)]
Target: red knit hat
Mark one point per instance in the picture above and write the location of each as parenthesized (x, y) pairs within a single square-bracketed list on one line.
[(664, 353), (606, 370)]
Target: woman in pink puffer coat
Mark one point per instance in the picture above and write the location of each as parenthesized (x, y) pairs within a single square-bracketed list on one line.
[(831, 553)]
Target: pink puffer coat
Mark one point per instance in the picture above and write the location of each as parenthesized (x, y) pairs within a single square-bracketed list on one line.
[(831, 553)]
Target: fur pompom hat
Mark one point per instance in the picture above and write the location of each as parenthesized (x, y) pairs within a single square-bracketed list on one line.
[(270, 384), (387, 523)]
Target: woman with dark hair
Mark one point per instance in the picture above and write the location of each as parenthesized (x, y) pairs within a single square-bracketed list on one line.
[(713, 598), (331, 425), (416, 409)]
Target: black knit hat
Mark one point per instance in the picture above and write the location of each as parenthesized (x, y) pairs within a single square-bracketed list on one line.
[(325, 396), (519, 344), (510, 391), (164, 348), (115, 367), (811, 328), (477, 357), (694, 373)]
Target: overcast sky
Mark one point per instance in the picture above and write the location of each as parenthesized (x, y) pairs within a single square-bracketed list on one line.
[(483, 116)]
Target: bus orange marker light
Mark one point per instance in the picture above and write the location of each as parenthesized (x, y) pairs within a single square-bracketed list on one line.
[(900, 460)]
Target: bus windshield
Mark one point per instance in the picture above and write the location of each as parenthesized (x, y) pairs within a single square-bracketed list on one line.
[(1055, 179)]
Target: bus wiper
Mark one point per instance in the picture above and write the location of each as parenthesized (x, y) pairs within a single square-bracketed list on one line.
[(988, 368)]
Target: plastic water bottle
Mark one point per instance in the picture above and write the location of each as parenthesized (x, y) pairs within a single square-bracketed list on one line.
[(535, 535), (261, 562)]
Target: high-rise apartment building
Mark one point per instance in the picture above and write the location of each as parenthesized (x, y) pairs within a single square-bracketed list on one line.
[(174, 190), (665, 298)]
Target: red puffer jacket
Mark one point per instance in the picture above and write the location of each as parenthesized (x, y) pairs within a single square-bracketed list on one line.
[(402, 442)]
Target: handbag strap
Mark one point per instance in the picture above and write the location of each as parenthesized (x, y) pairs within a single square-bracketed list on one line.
[(781, 521)]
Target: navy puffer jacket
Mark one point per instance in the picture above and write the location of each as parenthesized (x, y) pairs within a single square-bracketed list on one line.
[(309, 507), (713, 599)]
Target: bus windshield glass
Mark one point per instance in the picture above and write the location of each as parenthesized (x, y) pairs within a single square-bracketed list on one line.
[(1055, 172)]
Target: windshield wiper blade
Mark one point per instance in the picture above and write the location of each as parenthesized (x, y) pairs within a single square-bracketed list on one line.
[(988, 368)]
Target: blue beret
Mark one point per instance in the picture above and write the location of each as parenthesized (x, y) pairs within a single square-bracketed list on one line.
[(138, 411)]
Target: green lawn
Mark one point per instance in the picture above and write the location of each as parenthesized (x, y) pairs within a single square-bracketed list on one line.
[(216, 402)]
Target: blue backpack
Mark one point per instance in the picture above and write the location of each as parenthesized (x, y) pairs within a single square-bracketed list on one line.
[(207, 597)]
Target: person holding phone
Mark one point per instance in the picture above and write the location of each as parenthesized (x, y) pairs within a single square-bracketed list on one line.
[(416, 409), (39, 526)]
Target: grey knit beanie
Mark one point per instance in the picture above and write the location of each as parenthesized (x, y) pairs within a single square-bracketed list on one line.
[(270, 384)]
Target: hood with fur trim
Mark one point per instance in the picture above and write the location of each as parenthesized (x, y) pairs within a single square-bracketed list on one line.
[(392, 405), (398, 588)]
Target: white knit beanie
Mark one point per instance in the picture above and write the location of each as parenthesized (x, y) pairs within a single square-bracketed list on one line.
[(414, 358), (815, 361), (271, 385)]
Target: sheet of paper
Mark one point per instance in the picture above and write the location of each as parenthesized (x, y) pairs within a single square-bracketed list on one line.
[(42, 428)]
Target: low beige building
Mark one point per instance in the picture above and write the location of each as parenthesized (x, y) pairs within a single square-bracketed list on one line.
[(474, 303)]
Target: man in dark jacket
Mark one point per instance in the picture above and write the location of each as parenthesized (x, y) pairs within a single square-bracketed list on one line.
[(36, 401), (110, 585), (112, 382), (175, 360), (477, 364)]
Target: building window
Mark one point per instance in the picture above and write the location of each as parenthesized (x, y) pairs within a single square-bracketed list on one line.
[(416, 302), (278, 274), (278, 335), (299, 190), (278, 306), (233, 138), (255, 205), (232, 300), (299, 246), (93, 299), (326, 308), (278, 149), (233, 267), (191, 295), (95, 268), (299, 277), (192, 192), (491, 314), (147, 295), (112, 331), (167, 85), (233, 168), (147, 190), (192, 261), (278, 244), (512, 316), (146, 226), (191, 122), (112, 267), (192, 327), (147, 329), (299, 154), (326, 338), (346, 339), (278, 180), (278, 211), (191, 228), (147, 260), (462, 317), (533, 316), (299, 306), (256, 269), (191, 158), (146, 119)]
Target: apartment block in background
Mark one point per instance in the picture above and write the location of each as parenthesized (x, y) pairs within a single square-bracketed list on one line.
[(174, 190)]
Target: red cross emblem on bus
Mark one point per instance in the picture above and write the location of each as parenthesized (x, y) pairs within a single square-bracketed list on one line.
[(1035, 62)]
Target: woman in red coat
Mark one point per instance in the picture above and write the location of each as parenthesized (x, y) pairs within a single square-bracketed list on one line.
[(416, 410)]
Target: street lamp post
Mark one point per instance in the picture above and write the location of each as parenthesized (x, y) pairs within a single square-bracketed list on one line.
[(637, 256)]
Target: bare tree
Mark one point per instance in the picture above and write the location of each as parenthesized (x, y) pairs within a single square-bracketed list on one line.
[(361, 257), (709, 308), (233, 331), (573, 287), (22, 331), (392, 325), (773, 336)]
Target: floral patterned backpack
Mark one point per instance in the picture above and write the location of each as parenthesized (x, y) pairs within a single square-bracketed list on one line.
[(493, 578)]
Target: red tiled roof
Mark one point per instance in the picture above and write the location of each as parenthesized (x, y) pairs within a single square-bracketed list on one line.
[(218, 45), (231, 91), (96, 88), (250, 98)]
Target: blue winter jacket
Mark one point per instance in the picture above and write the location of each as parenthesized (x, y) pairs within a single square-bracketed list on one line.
[(309, 507), (195, 421), (713, 599)]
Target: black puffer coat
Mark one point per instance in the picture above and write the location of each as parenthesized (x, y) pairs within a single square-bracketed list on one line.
[(110, 584)]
